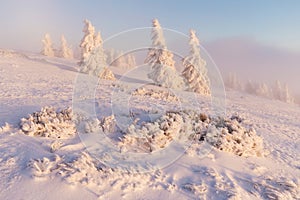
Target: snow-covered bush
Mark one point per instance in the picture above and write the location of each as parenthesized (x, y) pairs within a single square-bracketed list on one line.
[(156, 135), (195, 72), (93, 59), (161, 61), (224, 134), (235, 138), (65, 51), (49, 123), (155, 94), (42, 168), (47, 46)]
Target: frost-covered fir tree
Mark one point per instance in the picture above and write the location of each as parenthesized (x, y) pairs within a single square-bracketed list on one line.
[(277, 90), (263, 90), (287, 97), (131, 60), (88, 41), (47, 46), (282, 93), (195, 72), (161, 61), (93, 59), (65, 51)]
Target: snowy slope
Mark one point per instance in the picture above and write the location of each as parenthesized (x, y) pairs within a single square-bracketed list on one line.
[(32, 168)]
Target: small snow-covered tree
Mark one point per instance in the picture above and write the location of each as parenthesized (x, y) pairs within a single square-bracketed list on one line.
[(88, 41), (110, 56), (47, 46), (233, 82), (120, 60), (195, 72), (250, 87), (131, 60), (277, 90), (93, 60), (161, 61), (286, 95), (263, 90), (65, 51)]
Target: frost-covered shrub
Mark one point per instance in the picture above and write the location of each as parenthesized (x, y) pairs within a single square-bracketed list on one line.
[(109, 124), (159, 134), (235, 138), (41, 168), (49, 123), (155, 94), (227, 135)]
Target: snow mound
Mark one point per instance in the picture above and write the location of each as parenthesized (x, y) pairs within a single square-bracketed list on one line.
[(227, 135), (154, 94), (49, 123)]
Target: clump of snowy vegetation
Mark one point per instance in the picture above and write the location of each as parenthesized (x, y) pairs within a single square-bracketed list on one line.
[(195, 72), (161, 61), (155, 94), (224, 134), (49, 123), (235, 138)]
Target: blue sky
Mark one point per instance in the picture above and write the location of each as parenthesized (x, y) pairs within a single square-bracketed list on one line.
[(23, 23)]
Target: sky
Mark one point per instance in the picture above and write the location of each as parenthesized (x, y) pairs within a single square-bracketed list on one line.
[(271, 25)]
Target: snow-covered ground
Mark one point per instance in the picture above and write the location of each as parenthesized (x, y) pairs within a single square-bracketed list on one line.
[(38, 167)]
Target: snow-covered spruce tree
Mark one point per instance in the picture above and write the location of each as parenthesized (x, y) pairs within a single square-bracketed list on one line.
[(277, 90), (195, 72), (65, 51), (161, 61), (131, 60), (263, 90), (93, 58), (286, 95), (47, 46), (88, 41), (120, 60)]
